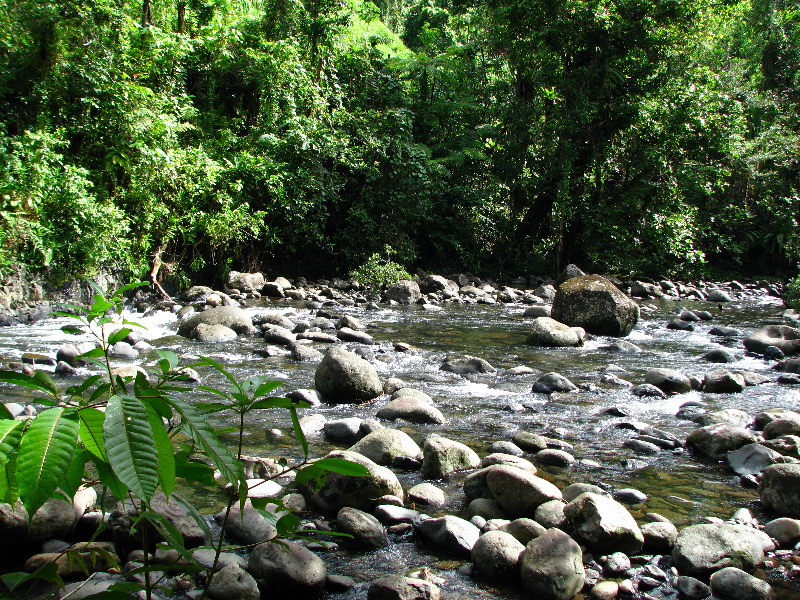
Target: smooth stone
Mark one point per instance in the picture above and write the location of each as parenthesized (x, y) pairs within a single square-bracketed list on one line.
[(552, 566), (496, 556), (731, 583), (448, 533)]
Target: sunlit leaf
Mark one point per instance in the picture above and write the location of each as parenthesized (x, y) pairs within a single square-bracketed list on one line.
[(129, 444), (45, 453), (166, 454)]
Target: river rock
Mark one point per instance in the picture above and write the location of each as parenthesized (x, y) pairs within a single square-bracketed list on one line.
[(335, 490), (246, 282), (448, 533), (751, 459), (232, 582), (568, 273), (345, 378), (500, 458), (731, 583), (231, 317), (427, 494), (346, 430), (396, 587), (523, 529), (574, 490), (786, 445), (467, 365), (554, 457), (701, 550), (605, 524), (529, 441), (781, 427), (212, 334), (690, 588), (720, 355), (648, 390), (548, 332), (715, 441), (442, 457), (779, 488), (496, 556), (247, 526), (347, 334), (383, 445), (275, 334), (723, 381), (731, 416), (54, 519), (486, 508), (287, 568), (785, 531), (551, 383), (519, 492), (786, 338), (367, 531), (595, 304), (412, 410), (669, 381), (551, 514), (552, 566), (404, 292), (659, 537)]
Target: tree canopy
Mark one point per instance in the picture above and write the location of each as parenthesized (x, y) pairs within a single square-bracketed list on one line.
[(654, 137)]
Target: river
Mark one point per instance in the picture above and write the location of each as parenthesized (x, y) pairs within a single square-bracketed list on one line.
[(485, 408)]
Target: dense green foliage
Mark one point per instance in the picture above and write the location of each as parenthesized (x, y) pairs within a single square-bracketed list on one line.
[(379, 271), (656, 137)]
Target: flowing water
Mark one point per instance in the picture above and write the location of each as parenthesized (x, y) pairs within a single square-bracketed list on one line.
[(485, 408)]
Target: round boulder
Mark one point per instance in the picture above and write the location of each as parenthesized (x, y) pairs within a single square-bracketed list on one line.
[(288, 567), (383, 445), (786, 338), (779, 488), (552, 334), (442, 457), (231, 317), (605, 524), (496, 556), (669, 381), (595, 304), (552, 566), (519, 492), (345, 378), (700, 550)]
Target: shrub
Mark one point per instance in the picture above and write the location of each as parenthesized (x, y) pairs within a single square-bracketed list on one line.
[(379, 272)]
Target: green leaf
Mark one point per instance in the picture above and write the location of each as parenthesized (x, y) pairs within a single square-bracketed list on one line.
[(93, 353), (170, 360), (197, 427), (109, 479), (46, 381), (130, 286), (100, 305), (166, 454), (5, 413), (73, 477), (212, 363), (45, 453), (298, 431), (194, 470), (10, 433), (8, 481), (129, 443), (72, 330), (91, 432), (48, 572), (266, 387), (27, 381), (118, 335), (80, 390), (279, 403)]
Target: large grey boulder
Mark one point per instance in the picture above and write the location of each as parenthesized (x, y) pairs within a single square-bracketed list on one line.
[(246, 282), (702, 549), (448, 533), (782, 336), (595, 304), (779, 488), (212, 334), (231, 317), (288, 568), (715, 441), (496, 556), (247, 526), (55, 519), (545, 331), (404, 292), (333, 491), (752, 459), (345, 378), (604, 524), (519, 492), (552, 566), (442, 457), (723, 381), (383, 445)]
